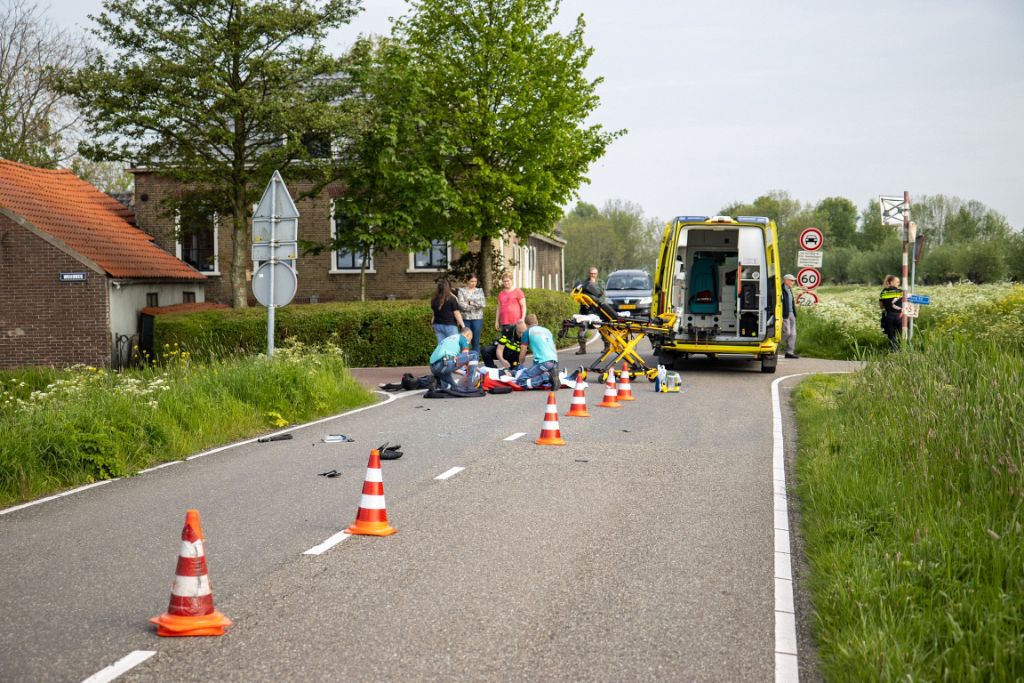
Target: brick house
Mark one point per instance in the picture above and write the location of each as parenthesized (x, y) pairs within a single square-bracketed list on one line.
[(330, 275), (75, 272)]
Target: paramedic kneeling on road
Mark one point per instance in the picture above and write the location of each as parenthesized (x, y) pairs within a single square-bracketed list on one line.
[(450, 354), (545, 359)]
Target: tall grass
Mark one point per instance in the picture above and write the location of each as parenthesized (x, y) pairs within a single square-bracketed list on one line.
[(910, 477), (66, 428)]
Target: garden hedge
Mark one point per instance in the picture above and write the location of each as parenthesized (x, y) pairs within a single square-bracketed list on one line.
[(371, 333)]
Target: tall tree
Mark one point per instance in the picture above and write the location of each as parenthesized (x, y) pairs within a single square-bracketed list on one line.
[(500, 110), (36, 119), (838, 219), (216, 94), (614, 237)]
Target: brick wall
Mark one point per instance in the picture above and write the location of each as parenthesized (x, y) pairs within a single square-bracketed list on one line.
[(392, 276), (43, 321)]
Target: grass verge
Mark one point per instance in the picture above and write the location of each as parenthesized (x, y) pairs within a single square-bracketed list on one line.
[(60, 429), (910, 477)]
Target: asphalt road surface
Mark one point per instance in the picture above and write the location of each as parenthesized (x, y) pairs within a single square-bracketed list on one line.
[(640, 551)]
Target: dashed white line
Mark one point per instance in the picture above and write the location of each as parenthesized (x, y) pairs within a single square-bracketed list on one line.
[(515, 436), (328, 544), (120, 666), (450, 473)]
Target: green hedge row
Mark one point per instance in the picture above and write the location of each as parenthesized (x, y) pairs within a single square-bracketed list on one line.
[(372, 333)]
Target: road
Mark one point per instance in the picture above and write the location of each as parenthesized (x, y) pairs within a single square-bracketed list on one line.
[(641, 551)]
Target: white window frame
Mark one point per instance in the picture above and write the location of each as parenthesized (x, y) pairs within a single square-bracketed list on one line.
[(448, 257), (179, 248), (333, 268)]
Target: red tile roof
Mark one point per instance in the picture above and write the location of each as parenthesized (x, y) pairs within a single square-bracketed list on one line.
[(88, 221)]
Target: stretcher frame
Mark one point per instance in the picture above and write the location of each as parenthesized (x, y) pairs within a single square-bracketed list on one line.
[(621, 336)]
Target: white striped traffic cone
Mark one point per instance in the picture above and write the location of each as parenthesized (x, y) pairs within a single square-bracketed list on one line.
[(550, 434), (191, 612), (372, 517), (610, 393), (578, 407), (625, 390)]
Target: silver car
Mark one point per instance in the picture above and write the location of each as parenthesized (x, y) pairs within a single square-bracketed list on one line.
[(629, 292)]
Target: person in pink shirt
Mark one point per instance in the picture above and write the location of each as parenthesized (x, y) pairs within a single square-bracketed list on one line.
[(511, 305)]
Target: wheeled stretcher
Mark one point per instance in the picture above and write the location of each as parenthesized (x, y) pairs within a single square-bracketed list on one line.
[(620, 335)]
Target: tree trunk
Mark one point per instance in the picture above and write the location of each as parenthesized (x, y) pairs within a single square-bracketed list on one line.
[(362, 277), (239, 253), (483, 272)]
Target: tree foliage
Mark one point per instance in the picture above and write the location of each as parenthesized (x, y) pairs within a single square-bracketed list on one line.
[(614, 237), (216, 94), (37, 120), (494, 119)]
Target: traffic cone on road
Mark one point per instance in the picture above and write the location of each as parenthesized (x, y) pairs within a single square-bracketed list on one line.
[(610, 393), (625, 390), (191, 612), (372, 517), (578, 407), (550, 434)]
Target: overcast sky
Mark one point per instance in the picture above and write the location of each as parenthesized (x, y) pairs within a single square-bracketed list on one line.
[(728, 100)]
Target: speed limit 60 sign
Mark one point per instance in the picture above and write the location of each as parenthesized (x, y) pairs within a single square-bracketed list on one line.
[(809, 278), (811, 239)]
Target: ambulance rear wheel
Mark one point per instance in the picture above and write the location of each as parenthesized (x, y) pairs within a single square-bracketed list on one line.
[(769, 363)]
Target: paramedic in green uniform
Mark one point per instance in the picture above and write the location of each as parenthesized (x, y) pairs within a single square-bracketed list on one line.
[(545, 358)]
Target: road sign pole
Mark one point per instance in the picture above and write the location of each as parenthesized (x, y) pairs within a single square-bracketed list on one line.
[(906, 251), (912, 240), (273, 245)]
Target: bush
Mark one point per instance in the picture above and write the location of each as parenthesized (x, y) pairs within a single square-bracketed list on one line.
[(371, 334)]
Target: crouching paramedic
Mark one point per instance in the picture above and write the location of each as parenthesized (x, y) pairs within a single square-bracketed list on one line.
[(545, 359), (451, 353)]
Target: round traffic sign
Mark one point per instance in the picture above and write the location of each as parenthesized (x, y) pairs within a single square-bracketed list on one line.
[(811, 239), (285, 283), (807, 298), (809, 278)]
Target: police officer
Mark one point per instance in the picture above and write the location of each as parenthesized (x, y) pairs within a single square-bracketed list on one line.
[(891, 303)]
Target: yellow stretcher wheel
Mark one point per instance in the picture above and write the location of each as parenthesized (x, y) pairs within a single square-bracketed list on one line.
[(604, 377), (652, 374)]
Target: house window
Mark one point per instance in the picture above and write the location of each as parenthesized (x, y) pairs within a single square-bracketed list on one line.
[(188, 297), (436, 257), (197, 239), (344, 260), (152, 299)]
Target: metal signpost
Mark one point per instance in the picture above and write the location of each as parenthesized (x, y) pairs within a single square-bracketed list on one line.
[(897, 212), (275, 234)]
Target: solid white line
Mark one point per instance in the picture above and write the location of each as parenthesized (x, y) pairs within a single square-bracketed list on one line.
[(515, 436), (390, 398), (450, 473), (160, 467), (122, 665), (55, 497), (786, 661), (328, 544)]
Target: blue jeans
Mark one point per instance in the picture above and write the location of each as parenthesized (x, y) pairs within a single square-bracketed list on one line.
[(444, 331), (478, 329), (536, 375), (443, 368)]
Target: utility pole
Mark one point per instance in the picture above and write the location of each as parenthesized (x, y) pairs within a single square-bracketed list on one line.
[(906, 260)]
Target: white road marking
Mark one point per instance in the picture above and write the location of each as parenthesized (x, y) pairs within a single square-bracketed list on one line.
[(390, 399), (515, 436), (786, 661), (122, 665), (328, 544), (450, 473)]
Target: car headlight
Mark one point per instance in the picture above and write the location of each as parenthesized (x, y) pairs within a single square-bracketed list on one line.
[(645, 301)]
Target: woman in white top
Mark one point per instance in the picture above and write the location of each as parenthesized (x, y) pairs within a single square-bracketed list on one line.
[(472, 301)]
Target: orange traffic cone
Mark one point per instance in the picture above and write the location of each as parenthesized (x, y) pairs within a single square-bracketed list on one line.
[(625, 390), (372, 518), (610, 394), (550, 434), (578, 407), (191, 611)]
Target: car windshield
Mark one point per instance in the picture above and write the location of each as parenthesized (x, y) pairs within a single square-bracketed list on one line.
[(640, 281)]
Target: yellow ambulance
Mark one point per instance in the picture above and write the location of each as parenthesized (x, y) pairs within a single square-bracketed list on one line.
[(717, 287)]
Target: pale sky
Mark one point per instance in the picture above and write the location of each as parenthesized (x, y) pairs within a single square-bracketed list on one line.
[(725, 101)]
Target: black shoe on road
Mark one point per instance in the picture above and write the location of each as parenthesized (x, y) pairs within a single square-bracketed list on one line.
[(792, 355)]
